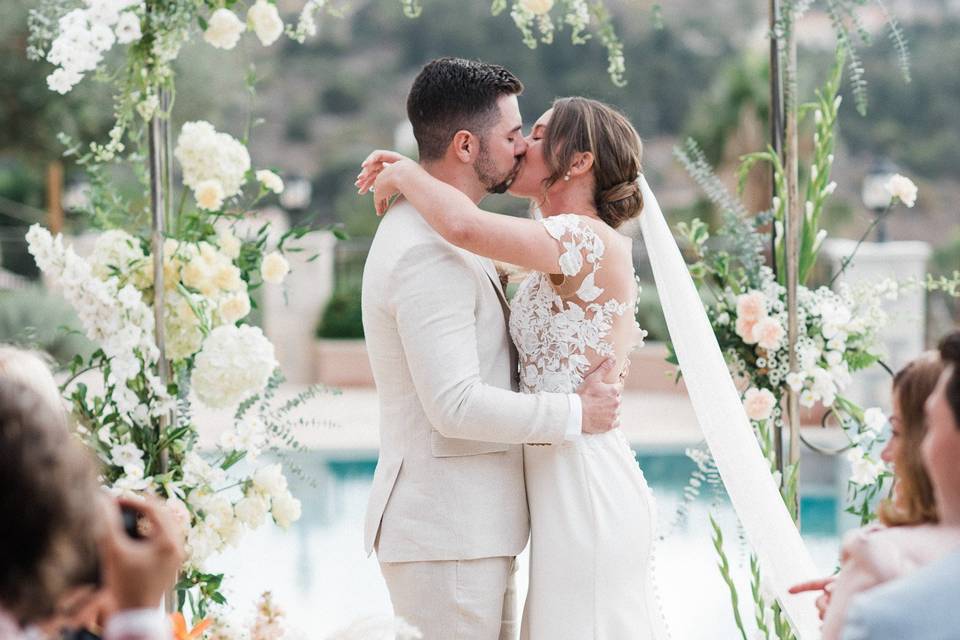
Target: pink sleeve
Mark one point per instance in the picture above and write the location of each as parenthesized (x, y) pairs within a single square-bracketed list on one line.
[(137, 624), (868, 559)]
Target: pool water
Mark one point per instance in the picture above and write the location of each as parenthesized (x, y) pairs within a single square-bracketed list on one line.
[(319, 574)]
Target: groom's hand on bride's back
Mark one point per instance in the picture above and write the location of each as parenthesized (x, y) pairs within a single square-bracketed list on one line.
[(600, 400)]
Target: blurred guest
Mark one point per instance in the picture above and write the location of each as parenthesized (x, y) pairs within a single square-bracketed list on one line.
[(58, 536), (911, 505), (923, 605), (30, 369)]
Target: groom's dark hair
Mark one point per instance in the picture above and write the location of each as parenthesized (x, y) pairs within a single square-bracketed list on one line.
[(453, 94)]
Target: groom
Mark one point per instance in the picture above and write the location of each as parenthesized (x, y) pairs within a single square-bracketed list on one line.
[(447, 513)]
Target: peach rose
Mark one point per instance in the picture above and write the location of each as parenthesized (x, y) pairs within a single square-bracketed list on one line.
[(745, 329), (759, 403), (751, 306), (768, 333)]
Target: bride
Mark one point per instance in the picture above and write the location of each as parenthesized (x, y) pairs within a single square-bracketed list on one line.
[(592, 516)]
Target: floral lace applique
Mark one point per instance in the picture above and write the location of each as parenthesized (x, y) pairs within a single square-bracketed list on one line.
[(553, 332)]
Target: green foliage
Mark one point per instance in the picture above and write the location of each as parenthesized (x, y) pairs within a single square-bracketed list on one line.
[(342, 318)]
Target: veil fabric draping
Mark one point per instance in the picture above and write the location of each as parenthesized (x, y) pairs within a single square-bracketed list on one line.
[(770, 531)]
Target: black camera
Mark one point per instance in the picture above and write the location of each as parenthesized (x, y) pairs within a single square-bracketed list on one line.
[(131, 522)]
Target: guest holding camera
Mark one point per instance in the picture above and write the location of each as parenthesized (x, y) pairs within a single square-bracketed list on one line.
[(66, 551)]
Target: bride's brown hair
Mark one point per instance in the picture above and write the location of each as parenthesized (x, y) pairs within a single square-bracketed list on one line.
[(579, 125)]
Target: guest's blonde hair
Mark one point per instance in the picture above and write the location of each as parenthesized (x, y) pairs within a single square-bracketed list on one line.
[(30, 369)]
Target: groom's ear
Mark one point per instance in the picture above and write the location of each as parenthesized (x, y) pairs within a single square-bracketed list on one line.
[(466, 146)]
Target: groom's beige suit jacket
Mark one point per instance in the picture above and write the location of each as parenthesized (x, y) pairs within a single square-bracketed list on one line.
[(449, 480)]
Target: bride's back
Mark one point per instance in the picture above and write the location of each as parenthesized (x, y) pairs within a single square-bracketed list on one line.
[(566, 323)]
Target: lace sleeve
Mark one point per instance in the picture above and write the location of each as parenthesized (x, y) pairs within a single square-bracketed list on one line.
[(581, 250)]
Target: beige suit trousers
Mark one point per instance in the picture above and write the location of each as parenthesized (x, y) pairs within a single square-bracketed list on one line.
[(456, 599)]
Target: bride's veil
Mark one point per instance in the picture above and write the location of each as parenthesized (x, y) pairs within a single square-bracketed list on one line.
[(770, 531)]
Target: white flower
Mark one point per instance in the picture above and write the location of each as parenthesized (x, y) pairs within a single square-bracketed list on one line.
[(197, 472), (285, 510), (115, 251), (759, 403), (795, 380), (723, 319), (234, 363), (269, 179), (202, 542), (132, 482), (229, 244), (104, 12), (265, 20), (536, 7), (184, 329), (863, 470), (63, 80), (902, 188), (807, 398), (252, 510), (128, 28), (205, 154), (148, 106), (833, 358), (874, 419), (234, 308), (127, 456), (209, 195), (274, 268), (270, 480), (223, 29)]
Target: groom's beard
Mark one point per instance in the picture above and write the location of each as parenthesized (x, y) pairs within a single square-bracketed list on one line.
[(493, 181)]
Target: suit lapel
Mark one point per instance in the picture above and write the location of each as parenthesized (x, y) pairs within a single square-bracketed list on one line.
[(491, 271)]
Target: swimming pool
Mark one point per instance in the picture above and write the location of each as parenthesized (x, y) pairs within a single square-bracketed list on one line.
[(318, 571)]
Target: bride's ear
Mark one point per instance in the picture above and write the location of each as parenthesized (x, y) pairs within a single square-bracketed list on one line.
[(582, 163), (466, 146)]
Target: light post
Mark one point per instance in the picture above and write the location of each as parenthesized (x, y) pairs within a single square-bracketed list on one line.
[(874, 193)]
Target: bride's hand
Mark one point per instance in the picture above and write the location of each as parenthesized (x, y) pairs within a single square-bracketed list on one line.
[(372, 166), (387, 184)]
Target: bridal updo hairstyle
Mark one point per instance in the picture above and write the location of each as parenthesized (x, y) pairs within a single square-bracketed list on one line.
[(453, 94), (578, 125)]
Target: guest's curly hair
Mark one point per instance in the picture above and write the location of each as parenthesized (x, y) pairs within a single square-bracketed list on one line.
[(48, 490)]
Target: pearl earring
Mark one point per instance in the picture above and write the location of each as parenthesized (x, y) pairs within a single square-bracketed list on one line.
[(566, 178)]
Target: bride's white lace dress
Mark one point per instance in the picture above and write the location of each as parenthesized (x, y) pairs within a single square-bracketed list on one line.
[(592, 515)]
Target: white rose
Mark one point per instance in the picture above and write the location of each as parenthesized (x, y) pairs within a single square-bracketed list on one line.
[(229, 244), (128, 28), (270, 480), (265, 20), (902, 188), (202, 542), (209, 195), (795, 380), (235, 307), (874, 419), (274, 268), (285, 509), (269, 179), (863, 470), (223, 29), (252, 510), (759, 403), (537, 7)]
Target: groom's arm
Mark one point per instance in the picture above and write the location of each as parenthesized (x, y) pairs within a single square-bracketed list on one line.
[(434, 302)]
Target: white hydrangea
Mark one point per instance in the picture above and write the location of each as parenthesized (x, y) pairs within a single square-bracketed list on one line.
[(182, 326), (205, 154), (115, 251), (270, 480), (234, 364), (252, 509), (285, 509)]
